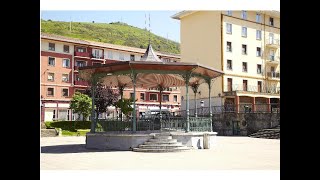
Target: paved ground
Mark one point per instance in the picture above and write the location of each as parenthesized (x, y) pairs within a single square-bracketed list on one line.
[(230, 153)]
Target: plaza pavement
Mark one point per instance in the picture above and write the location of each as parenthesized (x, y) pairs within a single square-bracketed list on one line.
[(230, 153)]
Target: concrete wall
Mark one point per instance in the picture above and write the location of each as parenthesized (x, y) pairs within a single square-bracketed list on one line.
[(249, 122), (115, 141)]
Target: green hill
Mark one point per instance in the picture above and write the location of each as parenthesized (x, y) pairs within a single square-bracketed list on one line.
[(114, 33)]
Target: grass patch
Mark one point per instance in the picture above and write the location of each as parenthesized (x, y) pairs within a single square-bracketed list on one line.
[(81, 132)]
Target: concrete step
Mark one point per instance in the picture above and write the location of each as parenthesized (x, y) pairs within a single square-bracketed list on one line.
[(163, 143), (162, 137), (48, 133), (163, 140), (160, 146), (160, 150)]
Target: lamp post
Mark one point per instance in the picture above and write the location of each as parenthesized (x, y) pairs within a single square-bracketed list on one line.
[(202, 105)]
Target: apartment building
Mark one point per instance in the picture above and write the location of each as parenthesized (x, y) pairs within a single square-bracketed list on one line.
[(245, 45), (61, 58)]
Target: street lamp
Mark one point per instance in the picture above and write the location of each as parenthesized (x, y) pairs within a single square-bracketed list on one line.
[(202, 105)]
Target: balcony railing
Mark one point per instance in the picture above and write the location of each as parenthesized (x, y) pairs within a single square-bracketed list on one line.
[(273, 42), (96, 56), (81, 83), (82, 54), (273, 74), (250, 88), (273, 58)]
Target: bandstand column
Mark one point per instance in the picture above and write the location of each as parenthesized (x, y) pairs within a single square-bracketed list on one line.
[(187, 78), (210, 109), (134, 117), (93, 89)]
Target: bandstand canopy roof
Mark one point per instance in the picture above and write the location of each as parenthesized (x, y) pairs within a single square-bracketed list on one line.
[(149, 73)]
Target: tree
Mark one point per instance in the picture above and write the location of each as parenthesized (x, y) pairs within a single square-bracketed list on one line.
[(125, 106), (104, 97), (81, 104)]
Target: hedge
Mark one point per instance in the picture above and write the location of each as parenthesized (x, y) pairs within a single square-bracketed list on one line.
[(69, 125)]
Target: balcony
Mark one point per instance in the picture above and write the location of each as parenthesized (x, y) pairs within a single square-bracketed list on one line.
[(81, 83), (273, 75), (273, 60), (230, 91), (97, 57), (273, 43), (82, 54)]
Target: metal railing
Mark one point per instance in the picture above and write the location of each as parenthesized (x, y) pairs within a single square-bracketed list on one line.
[(251, 88), (273, 42), (273, 74)]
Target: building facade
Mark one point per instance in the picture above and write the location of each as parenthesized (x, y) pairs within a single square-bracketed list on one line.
[(245, 45), (61, 58)]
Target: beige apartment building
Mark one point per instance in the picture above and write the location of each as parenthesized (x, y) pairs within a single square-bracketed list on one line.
[(60, 60), (245, 45)]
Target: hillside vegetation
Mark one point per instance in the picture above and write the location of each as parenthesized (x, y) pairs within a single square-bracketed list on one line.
[(114, 33)]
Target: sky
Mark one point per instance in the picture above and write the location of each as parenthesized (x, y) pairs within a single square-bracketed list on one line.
[(161, 22)]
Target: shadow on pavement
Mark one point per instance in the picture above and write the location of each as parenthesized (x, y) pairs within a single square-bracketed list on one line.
[(70, 148)]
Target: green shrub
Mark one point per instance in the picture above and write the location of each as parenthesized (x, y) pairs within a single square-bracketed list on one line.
[(69, 125)]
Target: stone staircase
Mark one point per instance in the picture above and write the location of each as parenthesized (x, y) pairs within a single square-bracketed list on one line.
[(47, 132), (161, 142), (273, 133)]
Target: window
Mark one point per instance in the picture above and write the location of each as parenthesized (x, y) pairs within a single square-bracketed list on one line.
[(229, 28), (121, 56), (131, 57), (229, 84), (271, 38), (245, 85), (258, 51), (131, 95), (258, 35), (153, 97), (244, 49), (258, 18), (65, 77), (229, 64), (51, 61), (142, 97), (76, 77), (110, 55), (54, 114), (81, 49), (259, 86), (175, 98), (50, 92), (271, 21), (258, 68), (50, 76), (65, 92), (97, 53), (66, 48), (52, 46), (165, 97), (271, 55), (229, 47), (65, 63), (244, 67), (244, 14), (244, 32), (80, 63), (229, 13)]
